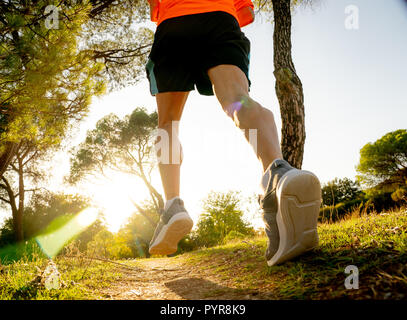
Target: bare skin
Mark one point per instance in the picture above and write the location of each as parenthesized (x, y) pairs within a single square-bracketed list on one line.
[(170, 106), (232, 91)]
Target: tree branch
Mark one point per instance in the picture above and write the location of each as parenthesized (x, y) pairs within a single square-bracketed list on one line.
[(5, 200)]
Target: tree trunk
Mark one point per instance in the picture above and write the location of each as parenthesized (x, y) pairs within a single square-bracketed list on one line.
[(288, 87), (7, 155), (14, 209), (19, 218), (155, 195)]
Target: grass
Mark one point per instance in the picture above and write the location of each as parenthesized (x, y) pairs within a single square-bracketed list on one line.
[(81, 279), (376, 244)]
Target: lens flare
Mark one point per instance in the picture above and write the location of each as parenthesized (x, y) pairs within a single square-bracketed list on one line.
[(51, 243), (87, 217), (236, 106)]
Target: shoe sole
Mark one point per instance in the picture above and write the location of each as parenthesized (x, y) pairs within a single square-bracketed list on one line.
[(171, 233), (299, 196)]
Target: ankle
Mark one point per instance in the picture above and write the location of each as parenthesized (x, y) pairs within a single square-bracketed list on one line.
[(170, 201)]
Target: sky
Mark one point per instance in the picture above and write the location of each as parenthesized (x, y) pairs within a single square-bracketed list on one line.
[(354, 84)]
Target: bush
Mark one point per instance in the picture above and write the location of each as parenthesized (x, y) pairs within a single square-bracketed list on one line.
[(340, 190), (334, 213), (222, 216), (400, 195), (234, 235), (369, 203), (380, 202), (110, 246)]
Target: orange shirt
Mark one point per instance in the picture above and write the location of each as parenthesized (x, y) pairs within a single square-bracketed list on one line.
[(175, 8)]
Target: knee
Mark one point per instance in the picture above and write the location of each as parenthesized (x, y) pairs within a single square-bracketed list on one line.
[(245, 111), (167, 121), (169, 117)]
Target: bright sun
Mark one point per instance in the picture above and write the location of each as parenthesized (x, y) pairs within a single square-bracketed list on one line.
[(114, 195)]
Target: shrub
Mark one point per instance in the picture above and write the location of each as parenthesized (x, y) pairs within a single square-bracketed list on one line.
[(369, 203), (109, 246), (340, 190), (234, 235), (222, 215)]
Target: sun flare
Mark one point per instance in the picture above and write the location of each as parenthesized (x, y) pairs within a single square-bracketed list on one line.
[(115, 196)]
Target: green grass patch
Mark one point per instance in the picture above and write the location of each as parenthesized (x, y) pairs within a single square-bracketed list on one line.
[(375, 243), (81, 279)]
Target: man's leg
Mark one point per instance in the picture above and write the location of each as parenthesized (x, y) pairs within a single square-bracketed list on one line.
[(175, 221), (232, 90), (170, 106), (292, 197)]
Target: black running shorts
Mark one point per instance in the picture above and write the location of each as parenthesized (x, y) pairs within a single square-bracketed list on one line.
[(186, 47)]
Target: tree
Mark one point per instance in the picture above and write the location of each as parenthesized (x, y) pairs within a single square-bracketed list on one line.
[(38, 95), (222, 215), (7, 236), (123, 145), (139, 230), (112, 36), (383, 164), (47, 209), (108, 245), (90, 44), (340, 190), (13, 183), (288, 86), (48, 76), (44, 207)]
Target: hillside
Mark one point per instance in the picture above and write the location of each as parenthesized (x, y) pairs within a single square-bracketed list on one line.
[(376, 244)]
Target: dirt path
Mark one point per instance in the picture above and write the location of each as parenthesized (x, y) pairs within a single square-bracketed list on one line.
[(165, 279)]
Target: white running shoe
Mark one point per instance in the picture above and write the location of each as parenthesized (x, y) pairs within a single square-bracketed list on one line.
[(174, 224), (290, 211)]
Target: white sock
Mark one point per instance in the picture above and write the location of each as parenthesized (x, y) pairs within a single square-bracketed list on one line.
[(169, 203), (265, 180), (266, 177)]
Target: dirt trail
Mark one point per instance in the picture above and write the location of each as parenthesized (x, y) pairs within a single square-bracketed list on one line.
[(166, 279)]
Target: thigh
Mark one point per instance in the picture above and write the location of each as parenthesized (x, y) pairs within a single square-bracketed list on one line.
[(230, 84), (224, 44), (170, 106)]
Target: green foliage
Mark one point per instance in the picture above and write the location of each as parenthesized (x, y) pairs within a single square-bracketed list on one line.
[(108, 245), (234, 235), (117, 144), (123, 145), (28, 250), (116, 36), (45, 80), (400, 195), (81, 278), (49, 210), (131, 241), (376, 244), (139, 230), (222, 215), (47, 76), (340, 190), (336, 212), (383, 164), (7, 235), (371, 203)]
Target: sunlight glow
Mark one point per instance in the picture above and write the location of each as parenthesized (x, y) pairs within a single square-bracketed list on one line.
[(87, 217), (114, 196), (53, 242)]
